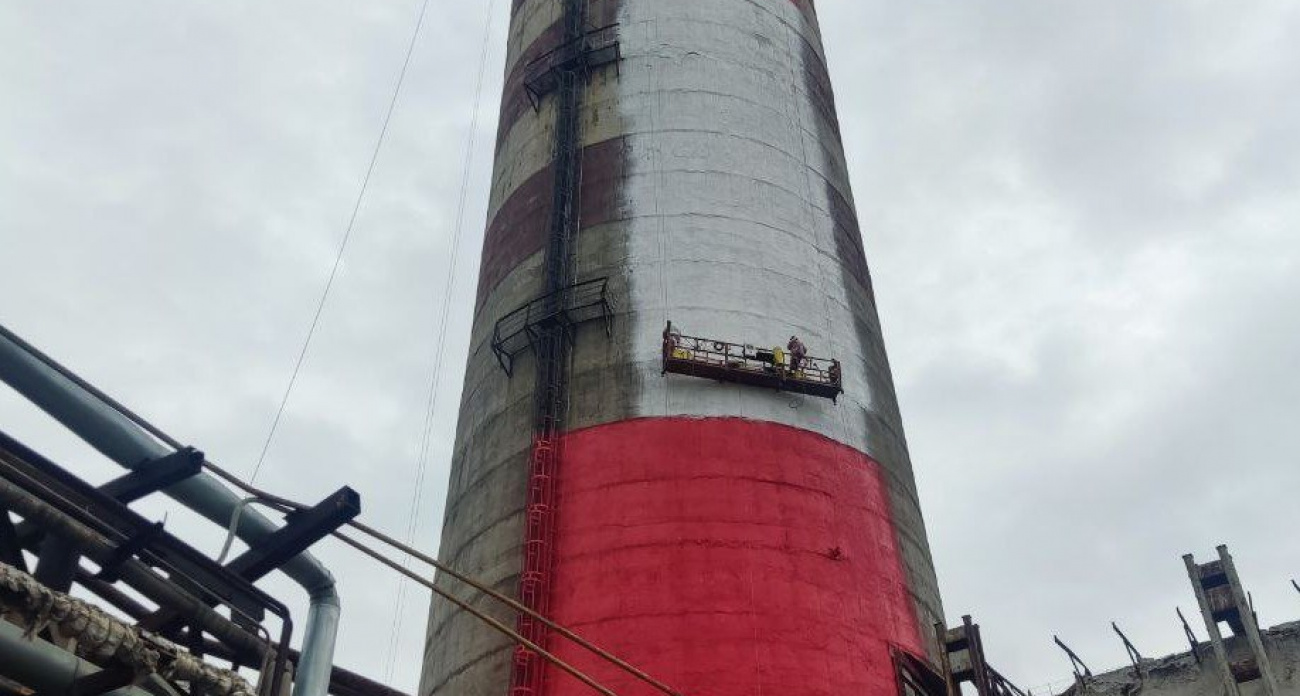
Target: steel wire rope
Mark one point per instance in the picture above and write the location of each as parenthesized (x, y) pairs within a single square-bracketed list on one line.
[(431, 400), (87, 519), (478, 613), (797, 118), (343, 243), (288, 506), (656, 121)]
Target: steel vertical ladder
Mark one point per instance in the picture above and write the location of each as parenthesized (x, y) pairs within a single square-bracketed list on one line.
[(528, 674)]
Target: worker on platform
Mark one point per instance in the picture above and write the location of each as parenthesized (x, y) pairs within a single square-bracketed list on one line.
[(672, 337), (797, 353)]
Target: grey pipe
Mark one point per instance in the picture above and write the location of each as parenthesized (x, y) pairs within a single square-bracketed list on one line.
[(39, 665), (121, 440), (132, 572)]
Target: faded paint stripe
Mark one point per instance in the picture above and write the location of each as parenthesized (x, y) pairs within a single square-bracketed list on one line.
[(514, 97), (521, 225)]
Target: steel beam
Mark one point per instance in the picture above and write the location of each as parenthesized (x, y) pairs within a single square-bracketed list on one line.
[(58, 559), (129, 440), (342, 682), (159, 474), (108, 592), (97, 524), (159, 589), (57, 563), (301, 530), (11, 550), (82, 499), (102, 682)]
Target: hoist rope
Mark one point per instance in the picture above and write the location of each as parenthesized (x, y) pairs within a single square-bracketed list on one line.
[(343, 243), (431, 400), (288, 506)]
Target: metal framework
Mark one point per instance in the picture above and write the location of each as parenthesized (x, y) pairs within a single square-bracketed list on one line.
[(564, 72), (577, 55), (916, 677), (196, 581), (135, 553), (746, 364), (1081, 671), (525, 327), (1191, 636), (300, 532), (65, 513), (961, 660), (1134, 656)]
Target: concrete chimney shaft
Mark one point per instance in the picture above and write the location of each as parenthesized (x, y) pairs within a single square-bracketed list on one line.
[(727, 539)]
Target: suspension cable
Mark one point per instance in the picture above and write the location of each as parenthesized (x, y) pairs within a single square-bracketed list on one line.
[(431, 402), (343, 244), (549, 657), (286, 505), (289, 506)]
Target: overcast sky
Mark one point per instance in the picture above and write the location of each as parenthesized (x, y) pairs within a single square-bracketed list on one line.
[(1081, 218)]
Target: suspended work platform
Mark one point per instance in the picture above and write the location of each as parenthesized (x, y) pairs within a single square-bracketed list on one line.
[(746, 364)]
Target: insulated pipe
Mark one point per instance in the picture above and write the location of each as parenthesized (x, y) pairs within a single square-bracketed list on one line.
[(43, 382), (132, 572), (39, 665)]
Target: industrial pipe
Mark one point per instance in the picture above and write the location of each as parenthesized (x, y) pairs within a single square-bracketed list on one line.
[(45, 668), (131, 571), (94, 418), (286, 505)]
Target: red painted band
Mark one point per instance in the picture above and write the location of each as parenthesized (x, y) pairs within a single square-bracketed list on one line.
[(728, 557)]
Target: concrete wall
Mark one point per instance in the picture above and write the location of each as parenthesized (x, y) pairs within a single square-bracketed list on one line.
[(1181, 675), (714, 194)]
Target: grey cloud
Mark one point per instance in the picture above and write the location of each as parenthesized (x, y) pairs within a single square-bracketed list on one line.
[(1080, 218)]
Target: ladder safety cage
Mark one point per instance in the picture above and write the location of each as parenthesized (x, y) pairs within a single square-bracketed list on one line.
[(915, 676), (746, 364), (593, 49), (565, 308), (547, 323)]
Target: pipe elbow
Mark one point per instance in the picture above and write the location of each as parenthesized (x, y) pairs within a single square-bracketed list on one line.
[(324, 591)]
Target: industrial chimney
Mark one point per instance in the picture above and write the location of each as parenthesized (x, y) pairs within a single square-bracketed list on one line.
[(640, 454)]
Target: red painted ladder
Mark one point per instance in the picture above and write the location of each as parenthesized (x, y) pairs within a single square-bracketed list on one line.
[(535, 579)]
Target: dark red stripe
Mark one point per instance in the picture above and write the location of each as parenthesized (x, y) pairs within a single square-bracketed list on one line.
[(817, 80), (729, 557), (520, 227), (848, 239), (514, 98)]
